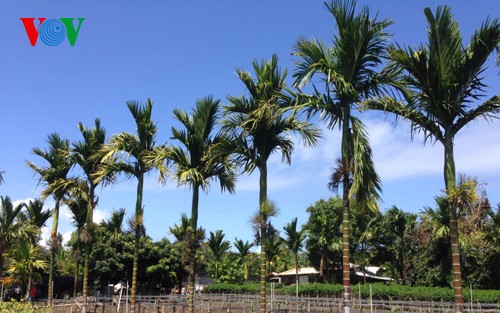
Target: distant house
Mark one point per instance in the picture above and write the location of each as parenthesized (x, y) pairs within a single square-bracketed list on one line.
[(306, 274), (369, 274), (310, 274)]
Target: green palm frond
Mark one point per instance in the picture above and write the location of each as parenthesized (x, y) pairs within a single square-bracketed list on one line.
[(366, 184)]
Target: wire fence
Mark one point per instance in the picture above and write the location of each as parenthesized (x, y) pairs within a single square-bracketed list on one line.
[(226, 303)]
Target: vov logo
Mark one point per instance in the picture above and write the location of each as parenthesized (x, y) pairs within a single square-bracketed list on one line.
[(52, 32)]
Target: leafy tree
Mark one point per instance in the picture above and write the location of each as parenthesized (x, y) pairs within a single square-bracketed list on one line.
[(8, 226), (127, 153), (195, 163), (53, 175), (219, 247), (398, 225), (439, 82), (348, 70), (324, 243), (260, 127)]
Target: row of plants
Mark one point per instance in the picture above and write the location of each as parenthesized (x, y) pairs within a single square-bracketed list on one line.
[(379, 291), (20, 307)]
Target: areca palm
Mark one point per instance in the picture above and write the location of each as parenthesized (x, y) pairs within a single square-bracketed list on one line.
[(243, 251), (8, 225), (55, 173), (260, 127), (440, 83), (294, 241), (219, 247), (197, 164), (348, 70), (35, 218), (78, 206), (127, 153), (87, 154), (24, 260)]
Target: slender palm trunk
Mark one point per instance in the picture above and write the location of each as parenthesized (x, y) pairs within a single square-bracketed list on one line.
[(346, 162), (193, 245), (138, 229), (75, 277), (88, 248), (450, 181), (53, 234), (263, 233)]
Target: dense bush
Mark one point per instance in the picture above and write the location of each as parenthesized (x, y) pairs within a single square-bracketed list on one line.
[(21, 307), (379, 291)]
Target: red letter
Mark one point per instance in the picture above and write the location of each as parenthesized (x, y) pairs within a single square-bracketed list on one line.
[(29, 26)]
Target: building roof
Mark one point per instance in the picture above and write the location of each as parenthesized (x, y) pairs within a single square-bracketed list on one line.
[(302, 271)]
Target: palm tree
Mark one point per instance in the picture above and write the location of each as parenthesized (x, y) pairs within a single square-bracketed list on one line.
[(78, 205), (348, 70), (8, 225), (243, 251), (439, 82), (1, 177), (260, 127), (87, 154), (54, 174), (35, 214), (219, 247), (24, 259), (127, 153), (196, 164), (294, 240)]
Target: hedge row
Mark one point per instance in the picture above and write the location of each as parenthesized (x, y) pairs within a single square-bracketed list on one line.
[(379, 291)]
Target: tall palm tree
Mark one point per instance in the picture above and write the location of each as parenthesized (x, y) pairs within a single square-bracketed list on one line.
[(8, 225), (196, 164), (127, 153), (87, 154), (294, 240), (260, 127), (439, 83), (219, 247), (54, 173), (243, 251), (348, 70)]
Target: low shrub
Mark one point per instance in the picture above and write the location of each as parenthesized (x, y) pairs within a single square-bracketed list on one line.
[(21, 307)]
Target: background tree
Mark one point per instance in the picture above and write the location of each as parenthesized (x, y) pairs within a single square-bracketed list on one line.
[(24, 260), (324, 243), (219, 247), (439, 82), (8, 226), (78, 205), (260, 126), (52, 176), (348, 70), (35, 216), (294, 240), (243, 253)]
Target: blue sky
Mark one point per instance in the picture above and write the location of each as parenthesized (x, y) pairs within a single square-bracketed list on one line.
[(175, 52)]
